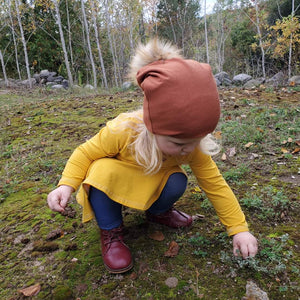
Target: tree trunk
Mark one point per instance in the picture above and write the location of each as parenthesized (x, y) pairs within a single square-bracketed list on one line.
[(3, 69), (98, 44), (111, 43), (291, 42), (171, 23), (18, 4), (14, 40), (260, 40), (63, 44), (86, 26), (206, 36), (70, 36)]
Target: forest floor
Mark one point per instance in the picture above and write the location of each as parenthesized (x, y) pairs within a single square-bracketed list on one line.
[(55, 256)]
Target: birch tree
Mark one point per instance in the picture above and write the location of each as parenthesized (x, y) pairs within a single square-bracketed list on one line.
[(63, 43), (18, 5), (14, 39), (69, 34), (98, 43), (260, 38), (205, 32), (3, 69), (86, 27), (110, 40)]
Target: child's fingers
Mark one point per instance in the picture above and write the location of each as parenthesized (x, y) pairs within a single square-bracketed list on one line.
[(54, 203), (236, 251), (252, 249), (64, 202)]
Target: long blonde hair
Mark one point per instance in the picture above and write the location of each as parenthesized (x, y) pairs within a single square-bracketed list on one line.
[(144, 147)]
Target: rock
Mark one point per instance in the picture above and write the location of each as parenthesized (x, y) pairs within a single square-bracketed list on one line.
[(241, 79), (26, 82), (218, 83), (57, 86), (126, 85), (37, 78), (58, 79), (9, 84), (88, 87), (171, 282), (44, 73), (223, 78), (253, 292), (278, 79), (50, 83), (65, 83), (252, 83), (295, 80)]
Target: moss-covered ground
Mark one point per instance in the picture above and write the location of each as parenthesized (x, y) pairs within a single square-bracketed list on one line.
[(260, 140)]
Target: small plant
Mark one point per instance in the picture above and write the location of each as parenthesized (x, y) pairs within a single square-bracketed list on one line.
[(235, 174), (270, 203), (271, 260), (201, 243), (252, 202)]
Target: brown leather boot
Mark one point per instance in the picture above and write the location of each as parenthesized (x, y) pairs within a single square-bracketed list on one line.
[(172, 218), (116, 255)]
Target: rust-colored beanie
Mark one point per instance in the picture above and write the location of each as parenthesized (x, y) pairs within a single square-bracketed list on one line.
[(180, 98)]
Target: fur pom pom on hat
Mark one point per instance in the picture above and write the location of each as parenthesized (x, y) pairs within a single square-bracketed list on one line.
[(180, 96)]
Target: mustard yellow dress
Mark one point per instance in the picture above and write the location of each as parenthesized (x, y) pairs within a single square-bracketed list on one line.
[(107, 162)]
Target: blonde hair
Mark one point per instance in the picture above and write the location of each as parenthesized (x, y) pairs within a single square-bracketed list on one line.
[(144, 147)]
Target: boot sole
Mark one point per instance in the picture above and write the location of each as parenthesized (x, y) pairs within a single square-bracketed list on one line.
[(118, 271)]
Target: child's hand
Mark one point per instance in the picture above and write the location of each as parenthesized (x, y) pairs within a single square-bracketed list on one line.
[(58, 198), (245, 244)]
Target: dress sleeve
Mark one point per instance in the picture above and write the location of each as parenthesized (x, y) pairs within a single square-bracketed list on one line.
[(106, 143), (219, 193)]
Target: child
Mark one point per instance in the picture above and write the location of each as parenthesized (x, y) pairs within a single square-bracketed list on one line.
[(135, 160)]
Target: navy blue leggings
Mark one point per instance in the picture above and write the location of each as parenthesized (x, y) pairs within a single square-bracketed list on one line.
[(108, 213)]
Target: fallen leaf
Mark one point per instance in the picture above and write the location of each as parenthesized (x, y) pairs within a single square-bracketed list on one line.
[(173, 249), (218, 135), (297, 142), (296, 150), (284, 150), (253, 156), (74, 259), (248, 145), (31, 290), (259, 129), (196, 190), (231, 152), (133, 276), (289, 140), (224, 157), (157, 236)]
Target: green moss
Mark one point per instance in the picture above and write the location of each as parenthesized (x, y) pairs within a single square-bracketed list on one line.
[(36, 147), (62, 292)]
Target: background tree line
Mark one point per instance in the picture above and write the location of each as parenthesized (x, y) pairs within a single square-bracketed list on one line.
[(91, 41)]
